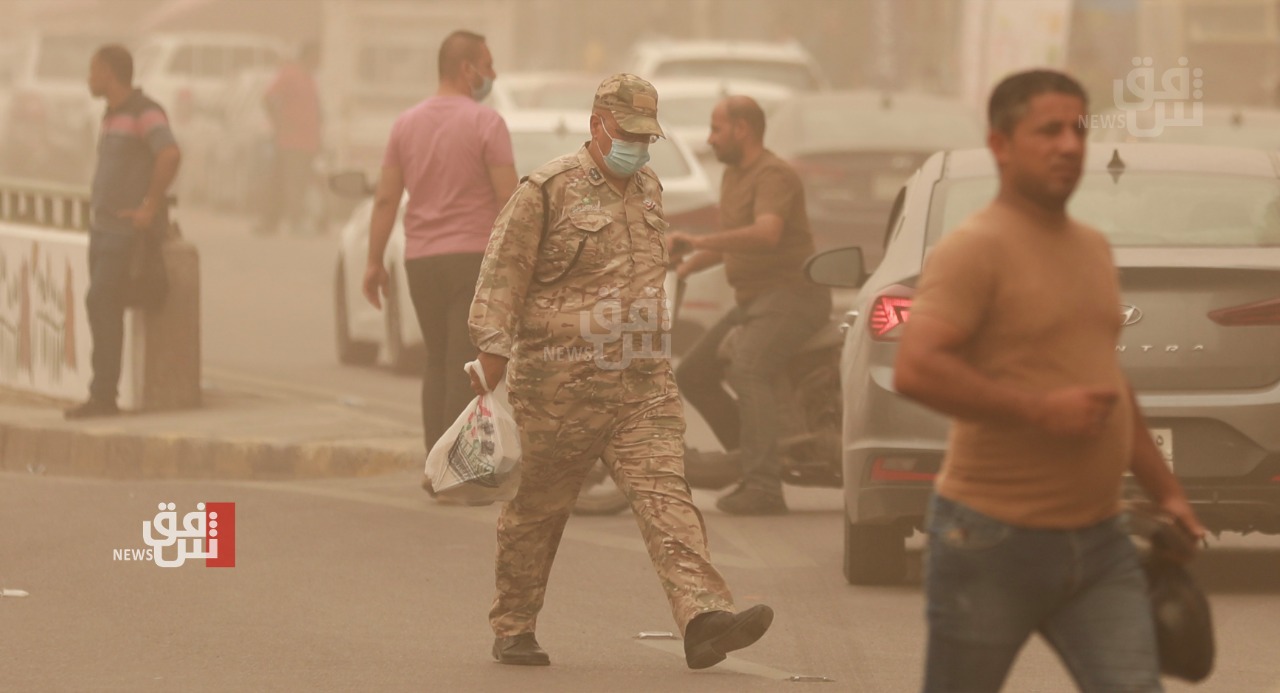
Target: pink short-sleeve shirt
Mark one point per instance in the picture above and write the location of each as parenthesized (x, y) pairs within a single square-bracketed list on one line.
[(444, 147)]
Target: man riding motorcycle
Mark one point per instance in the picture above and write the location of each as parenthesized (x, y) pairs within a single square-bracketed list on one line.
[(763, 245)]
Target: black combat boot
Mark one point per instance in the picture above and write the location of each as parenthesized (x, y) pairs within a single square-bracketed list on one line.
[(522, 649), (712, 635)]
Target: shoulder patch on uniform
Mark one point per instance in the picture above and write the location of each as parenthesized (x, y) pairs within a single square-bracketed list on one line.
[(553, 168)]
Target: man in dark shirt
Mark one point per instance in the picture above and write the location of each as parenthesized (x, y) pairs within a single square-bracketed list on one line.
[(764, 243), (137, 161)]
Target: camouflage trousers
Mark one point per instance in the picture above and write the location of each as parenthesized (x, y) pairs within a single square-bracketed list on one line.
[(643, 444)]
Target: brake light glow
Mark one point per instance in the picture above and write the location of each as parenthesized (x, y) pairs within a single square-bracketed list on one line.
[(1250, 315), (888, 313), (899, 469)]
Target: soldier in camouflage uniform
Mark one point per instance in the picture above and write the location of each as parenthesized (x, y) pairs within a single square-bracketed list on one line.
[(570, 293)]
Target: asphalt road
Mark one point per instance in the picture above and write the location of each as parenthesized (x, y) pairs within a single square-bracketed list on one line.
[(366, 584)]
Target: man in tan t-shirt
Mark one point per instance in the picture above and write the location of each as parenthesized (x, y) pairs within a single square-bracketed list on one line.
[(1013, 333), (764, 243)]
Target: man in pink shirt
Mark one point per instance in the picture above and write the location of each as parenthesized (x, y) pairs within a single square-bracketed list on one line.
[(453, 156), (293, 103)]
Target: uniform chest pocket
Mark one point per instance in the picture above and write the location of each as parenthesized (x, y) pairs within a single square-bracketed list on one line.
[(657, 232), (564, 246)]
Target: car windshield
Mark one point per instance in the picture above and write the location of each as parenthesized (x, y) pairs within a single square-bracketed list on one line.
[(533, 149), (1146, 209), (796, 76), (65, 57)]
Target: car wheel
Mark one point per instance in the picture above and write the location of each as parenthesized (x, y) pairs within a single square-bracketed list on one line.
[(874, 554), (350, 352)]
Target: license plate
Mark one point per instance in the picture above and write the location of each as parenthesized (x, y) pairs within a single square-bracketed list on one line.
[(1163, 438)]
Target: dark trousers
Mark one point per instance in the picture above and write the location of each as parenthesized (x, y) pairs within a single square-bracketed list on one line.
[(442, 287), (291, 173), (110, 259), (771, 328)]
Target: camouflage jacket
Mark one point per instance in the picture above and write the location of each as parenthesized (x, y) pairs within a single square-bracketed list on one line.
[(578, 307)]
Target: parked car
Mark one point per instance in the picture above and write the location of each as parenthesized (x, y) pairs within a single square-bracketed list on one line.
[(1196, 238), (784, 63), (52, 122), (854, 149), (365, 334)]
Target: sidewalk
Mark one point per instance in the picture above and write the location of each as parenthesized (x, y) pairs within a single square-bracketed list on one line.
[(237, 434)]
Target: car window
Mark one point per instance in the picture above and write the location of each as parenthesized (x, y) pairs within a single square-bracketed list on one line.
[(212, 62), (533, 149), (183, 62), (796, 76), (243, 58), (1145, 209), (268, 57)]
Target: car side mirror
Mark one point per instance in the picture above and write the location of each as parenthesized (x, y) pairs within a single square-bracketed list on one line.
[(351, 184), (841, 268)]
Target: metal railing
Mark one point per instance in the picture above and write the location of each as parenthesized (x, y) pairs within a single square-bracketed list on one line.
[(47, 205), (44, 204)]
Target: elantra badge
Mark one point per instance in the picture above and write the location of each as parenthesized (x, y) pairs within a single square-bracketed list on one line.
[(1130, 314)]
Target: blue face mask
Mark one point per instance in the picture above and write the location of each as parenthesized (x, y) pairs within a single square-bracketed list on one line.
[(479, 92), (624, 158)]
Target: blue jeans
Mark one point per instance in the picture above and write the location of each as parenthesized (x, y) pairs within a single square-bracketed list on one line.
[(772, 328), (991, 585), (110, 259)]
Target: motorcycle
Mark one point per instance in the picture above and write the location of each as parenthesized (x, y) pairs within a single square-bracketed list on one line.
[(809, 409)]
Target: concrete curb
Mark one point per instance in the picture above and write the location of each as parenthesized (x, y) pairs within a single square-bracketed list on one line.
[(235, 436), (124, 455)]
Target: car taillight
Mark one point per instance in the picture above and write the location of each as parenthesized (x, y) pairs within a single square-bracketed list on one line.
[(1250, 315), (902, 469), (888, 314)]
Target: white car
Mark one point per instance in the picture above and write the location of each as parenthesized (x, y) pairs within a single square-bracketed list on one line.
[(784, 63), (365, 335)]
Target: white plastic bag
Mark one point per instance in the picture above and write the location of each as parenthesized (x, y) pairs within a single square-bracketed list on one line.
[(477, 461)]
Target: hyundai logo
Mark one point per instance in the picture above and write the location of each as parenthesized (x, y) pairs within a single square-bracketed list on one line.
[(1130, 314)]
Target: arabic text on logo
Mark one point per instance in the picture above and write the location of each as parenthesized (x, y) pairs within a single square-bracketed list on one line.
[(208, 533), (1177, 100)]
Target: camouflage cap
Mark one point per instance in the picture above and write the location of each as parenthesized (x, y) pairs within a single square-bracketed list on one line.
[(633, 101)]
